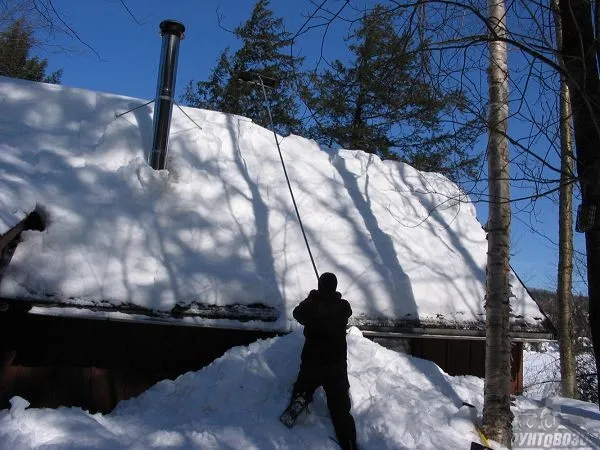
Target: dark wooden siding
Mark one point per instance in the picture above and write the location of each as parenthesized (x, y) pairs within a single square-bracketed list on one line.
[(460, 357), (53, 361)]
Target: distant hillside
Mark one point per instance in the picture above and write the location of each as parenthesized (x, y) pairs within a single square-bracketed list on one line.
[(547, 301)]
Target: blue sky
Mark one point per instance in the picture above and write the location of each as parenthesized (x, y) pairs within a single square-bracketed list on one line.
[(127, 61), (129, 52)]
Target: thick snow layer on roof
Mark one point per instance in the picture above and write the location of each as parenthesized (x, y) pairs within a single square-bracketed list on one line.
[(218, 227)]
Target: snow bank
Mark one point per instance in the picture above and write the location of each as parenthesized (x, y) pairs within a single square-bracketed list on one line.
[(398, 402), (541, 371)]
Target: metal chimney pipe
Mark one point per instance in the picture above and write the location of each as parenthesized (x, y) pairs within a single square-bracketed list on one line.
[(172, 33)]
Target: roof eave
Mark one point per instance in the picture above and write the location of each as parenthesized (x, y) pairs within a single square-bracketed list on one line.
[(204, 315), (451, 333)]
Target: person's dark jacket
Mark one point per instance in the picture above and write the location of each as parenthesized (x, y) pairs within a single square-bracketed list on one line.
[(325, 319)]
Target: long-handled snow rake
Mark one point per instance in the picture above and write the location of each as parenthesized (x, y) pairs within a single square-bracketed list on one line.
[(484, 445)]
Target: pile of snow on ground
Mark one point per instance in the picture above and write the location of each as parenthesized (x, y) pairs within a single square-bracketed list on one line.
[(398, 402)]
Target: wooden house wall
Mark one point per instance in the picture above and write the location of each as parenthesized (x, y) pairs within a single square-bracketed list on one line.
[(458, 356), (53, 361)]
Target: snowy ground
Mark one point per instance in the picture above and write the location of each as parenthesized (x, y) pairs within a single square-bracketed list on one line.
[(399, 402), (541, 377)]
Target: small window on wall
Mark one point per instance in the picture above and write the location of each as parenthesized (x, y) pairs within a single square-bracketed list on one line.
[(400, 345)]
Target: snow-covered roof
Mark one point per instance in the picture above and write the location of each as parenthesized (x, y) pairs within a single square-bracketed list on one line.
[(216, 233)]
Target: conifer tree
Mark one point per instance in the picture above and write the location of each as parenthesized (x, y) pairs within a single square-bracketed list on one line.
[(16, 43), (263, 51), (380, 102)]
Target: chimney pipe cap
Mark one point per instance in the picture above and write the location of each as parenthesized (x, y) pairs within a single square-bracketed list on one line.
[(172, 27)]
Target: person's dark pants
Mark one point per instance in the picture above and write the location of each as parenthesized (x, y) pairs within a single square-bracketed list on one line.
[(334, 379)]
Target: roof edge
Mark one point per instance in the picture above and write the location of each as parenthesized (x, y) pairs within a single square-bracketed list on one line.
[(454, 334), (239, 312), (449, 327)]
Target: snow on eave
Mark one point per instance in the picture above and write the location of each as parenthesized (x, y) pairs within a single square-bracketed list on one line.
[(197, 312), (448, 325), (263, 318)]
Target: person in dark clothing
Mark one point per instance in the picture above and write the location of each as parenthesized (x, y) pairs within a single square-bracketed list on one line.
[(325, 315)]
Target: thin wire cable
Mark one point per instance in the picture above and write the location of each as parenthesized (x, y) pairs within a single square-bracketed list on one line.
[(133, 109), (186, 114), (312, 260), (148, 102)]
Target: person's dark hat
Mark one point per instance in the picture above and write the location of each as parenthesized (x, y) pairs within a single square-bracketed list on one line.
[(327, 282)]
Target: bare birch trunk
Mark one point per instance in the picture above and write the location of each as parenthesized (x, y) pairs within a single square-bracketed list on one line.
[(497, 417), (565, 234)]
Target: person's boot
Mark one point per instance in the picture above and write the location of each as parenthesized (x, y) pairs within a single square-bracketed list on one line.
[(298, 404)]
